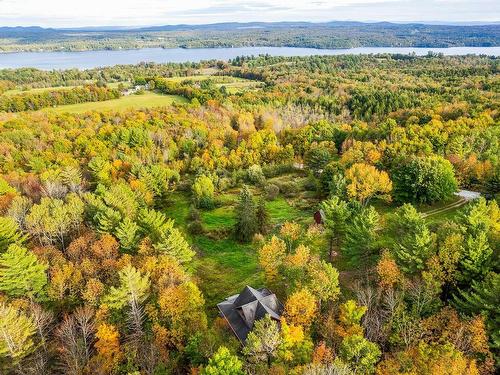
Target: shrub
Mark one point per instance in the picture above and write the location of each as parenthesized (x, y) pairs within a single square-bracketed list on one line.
[(203, 192), (272, 192), (255, 174)]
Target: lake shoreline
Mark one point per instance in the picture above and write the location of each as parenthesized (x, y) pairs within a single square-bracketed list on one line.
[(101, 58), (2, 52)]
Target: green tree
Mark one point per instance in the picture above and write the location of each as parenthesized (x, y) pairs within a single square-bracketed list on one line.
[(203, 192), (337, 213), (174, 244), (360, 353), (263, 341), (53, 220), (21, 274), (360, 235), (223, 363), (9, 233), (415, 242), (133, 289), (166, 239), (483, 297), (128, 234), (323, 280), (246, 218), (262, 216), (424, 180), (476, 260), (16, 333)]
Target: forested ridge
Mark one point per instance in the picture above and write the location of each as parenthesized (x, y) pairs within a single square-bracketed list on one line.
[(121, 230), (275, 34)]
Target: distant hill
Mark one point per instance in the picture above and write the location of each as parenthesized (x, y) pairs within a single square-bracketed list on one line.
[(335, 34)]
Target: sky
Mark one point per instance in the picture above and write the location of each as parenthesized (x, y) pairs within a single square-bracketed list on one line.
[(77, 13)]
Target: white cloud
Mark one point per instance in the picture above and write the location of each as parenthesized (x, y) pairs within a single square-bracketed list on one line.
[(146, 12)]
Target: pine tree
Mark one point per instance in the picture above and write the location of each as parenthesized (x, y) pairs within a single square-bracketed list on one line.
[(415, 242), (262, 216), (360, 235), (246, 218), (152, 224), (174, 244), (128, 234), (476, 259), (223, 363), (483, 297), (337, 213), (9, 233), (133, 288), (16, 332), (21, 274)]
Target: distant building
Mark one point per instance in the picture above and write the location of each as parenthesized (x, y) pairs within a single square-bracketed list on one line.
[(242, 310)]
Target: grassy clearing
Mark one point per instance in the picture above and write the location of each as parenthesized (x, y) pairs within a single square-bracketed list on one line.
[(147, 100), (233, 85), (224, 266), (36, 90)]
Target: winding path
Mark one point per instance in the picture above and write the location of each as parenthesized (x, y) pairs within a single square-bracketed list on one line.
[(464, 195)]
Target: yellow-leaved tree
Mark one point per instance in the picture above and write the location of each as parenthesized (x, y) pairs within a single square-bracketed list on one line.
[(365, 182)]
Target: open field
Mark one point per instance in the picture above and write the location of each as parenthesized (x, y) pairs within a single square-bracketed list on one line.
[(36, 90), (233, 85), (147, 100), (224, 266)]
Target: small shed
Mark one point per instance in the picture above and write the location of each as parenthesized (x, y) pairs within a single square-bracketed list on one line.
[(319, 217), (242, 310)]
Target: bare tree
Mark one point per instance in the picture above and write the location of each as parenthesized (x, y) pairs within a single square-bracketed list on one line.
[(76, 336)]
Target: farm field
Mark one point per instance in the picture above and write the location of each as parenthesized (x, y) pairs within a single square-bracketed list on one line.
[(146, 100)]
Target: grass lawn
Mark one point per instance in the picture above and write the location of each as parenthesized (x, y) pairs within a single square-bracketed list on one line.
[(224, 267), (147, 100), (279, 210)]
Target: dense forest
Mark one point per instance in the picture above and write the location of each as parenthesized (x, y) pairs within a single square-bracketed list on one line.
[(288, 34), (121, 231)]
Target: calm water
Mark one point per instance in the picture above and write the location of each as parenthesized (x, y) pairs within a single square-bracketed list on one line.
[(93, 59)]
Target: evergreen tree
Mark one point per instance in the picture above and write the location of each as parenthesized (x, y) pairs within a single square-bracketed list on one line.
[(133, 288), (483, 297), (246, 216), (415, 242), (336, 213), (174, 244), (262, 216), (360, 235), (9, 233), (476, 260), (223, 363), (21, 274), (128, 234)]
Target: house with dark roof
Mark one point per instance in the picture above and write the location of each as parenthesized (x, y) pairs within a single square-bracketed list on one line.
[(242, 310)]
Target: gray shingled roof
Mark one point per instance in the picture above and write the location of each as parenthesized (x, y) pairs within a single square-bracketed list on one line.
[(242, 310)]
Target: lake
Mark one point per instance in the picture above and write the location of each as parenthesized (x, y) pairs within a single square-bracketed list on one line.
[(93, 59)]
